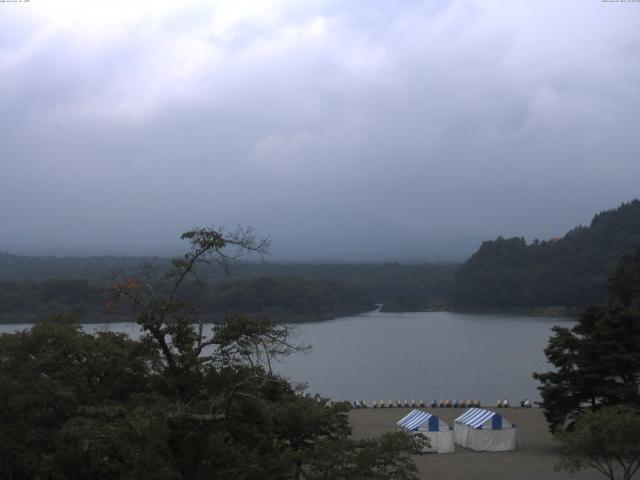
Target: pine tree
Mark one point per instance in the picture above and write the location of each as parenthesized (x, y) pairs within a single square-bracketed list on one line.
[(598, 360)]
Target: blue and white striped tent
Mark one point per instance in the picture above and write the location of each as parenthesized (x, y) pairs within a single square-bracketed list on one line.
[(484, 430), (438, 434)]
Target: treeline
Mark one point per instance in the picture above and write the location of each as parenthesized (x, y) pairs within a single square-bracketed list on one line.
[(25, 301), (507, 272), (382, 280), (288, 299), (33, 287), (22, 268), (571, 271)]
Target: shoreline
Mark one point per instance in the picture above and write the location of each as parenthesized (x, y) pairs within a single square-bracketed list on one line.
[(97, 318), (547, 312), (290, 318)]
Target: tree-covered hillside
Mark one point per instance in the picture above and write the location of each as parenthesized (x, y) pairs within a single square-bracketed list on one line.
[(278, 298), (571, 271), (33, 287), (597, 361)]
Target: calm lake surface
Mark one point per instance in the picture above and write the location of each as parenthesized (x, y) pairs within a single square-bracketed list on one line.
[(405, 356)]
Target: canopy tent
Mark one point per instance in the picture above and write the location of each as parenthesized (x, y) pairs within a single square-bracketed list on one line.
[(438, 434), (484, 430)]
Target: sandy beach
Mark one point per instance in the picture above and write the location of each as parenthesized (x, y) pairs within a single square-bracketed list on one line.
[(535, 458)]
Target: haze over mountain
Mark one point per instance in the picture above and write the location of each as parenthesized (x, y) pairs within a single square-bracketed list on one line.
[(346, 130)]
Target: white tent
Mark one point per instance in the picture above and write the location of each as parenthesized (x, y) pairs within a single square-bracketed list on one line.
[(484, 430), (438, 434)]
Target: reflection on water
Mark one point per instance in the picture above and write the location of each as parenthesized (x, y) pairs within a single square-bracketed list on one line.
[(413, 356)]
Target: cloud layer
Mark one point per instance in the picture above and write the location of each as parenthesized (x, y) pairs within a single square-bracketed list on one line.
[(344, 129)]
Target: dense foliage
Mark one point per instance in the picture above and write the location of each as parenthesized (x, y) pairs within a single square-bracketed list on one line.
[(598, 360), (282, 298), (383, 281), (47, 297), (22, 268), (78, 406), (181, 403), (570, 271), (291, 292), (607, 440)]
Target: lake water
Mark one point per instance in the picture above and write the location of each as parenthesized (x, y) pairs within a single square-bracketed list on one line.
[(405, 356)]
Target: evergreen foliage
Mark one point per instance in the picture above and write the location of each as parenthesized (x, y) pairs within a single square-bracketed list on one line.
[(598, 360), (570, 271), (290, 293), (290, 298)]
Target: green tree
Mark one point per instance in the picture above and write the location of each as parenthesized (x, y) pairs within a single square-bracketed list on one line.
[(571, 271), (367, 459), (607, 440), (49, 374), (598, 360), (187, 401)]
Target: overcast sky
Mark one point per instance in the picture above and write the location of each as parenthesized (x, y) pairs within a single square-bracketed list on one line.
[(344, 129)]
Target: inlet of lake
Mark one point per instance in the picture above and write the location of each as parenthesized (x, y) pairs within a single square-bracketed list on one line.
[(413, 356)]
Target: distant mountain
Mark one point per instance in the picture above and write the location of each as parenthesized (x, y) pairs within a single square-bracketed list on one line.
[(571, 271)]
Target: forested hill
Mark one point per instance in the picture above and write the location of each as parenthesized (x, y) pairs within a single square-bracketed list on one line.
[(571, 271), (34, 287)]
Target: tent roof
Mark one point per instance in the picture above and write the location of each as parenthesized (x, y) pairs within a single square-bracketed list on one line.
[(475, 417), (414, 419)]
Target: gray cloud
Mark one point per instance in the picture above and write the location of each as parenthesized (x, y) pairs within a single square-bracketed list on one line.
[(343, 129)]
